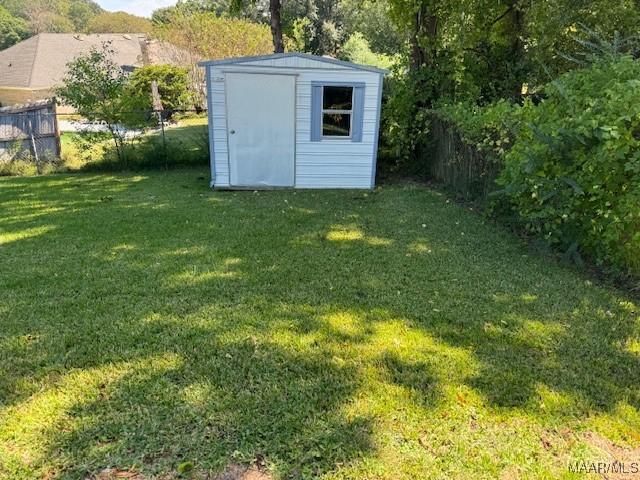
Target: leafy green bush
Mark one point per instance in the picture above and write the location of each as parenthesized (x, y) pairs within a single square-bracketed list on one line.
[(27, 167), (172, 81), (96, 86), (491, 129), (573, 173)]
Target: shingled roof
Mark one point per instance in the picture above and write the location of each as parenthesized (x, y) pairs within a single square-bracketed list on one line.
[(40, 61)]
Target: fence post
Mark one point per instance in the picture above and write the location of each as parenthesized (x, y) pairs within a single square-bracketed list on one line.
[(159, 109), (34, 149), (56, 129), (164, 141)]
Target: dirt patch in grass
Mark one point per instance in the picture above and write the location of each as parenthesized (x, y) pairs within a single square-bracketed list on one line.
[(231, 472), (629, 458), (239, 472), (116, 474)]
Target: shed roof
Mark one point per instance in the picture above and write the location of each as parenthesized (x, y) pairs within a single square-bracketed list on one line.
[(275, 56)]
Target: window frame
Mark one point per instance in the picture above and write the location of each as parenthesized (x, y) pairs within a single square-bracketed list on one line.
[(324, 111), (356, 124)]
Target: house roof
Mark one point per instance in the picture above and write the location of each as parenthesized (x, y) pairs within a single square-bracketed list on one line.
[(40, 61), (274, 56)]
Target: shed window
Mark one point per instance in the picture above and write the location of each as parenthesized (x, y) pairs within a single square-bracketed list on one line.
[(337, 111)]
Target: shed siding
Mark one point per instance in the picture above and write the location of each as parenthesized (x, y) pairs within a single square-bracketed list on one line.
[(331, 163)]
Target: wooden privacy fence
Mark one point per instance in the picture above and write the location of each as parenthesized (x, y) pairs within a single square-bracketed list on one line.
[(458, 165), (29, 131)]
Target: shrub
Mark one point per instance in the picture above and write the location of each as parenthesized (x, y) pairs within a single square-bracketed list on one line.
[(26, 166), (19, 168), (573, 174), (172, 81), (491, 129)]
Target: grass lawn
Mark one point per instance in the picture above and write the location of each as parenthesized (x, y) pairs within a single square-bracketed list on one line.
[(151, 325)]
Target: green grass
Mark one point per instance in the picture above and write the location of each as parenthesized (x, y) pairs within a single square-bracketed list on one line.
[(185, 144), (146, 322)]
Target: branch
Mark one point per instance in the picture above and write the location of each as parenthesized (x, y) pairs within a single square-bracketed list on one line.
[(507, 12)]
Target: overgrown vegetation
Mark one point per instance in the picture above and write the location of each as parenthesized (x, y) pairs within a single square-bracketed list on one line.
[(543, 89), (182, 142), (573, 174), (171, 82), (571, 158), (482, 52)]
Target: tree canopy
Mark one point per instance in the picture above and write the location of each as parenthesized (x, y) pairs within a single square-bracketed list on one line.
[(12, 29), (118, 22), (53, 15), (213, 37), (20, 20)]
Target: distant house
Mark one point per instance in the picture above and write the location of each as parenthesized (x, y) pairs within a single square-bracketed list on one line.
[(31, 69)]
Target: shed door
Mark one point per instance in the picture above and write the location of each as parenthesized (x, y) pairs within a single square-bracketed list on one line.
[(261, 129)]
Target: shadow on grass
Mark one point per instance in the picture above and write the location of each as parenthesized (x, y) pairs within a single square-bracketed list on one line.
[(230, 326)]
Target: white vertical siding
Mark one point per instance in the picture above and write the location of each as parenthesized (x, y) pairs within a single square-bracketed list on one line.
[(218, 119), (331, 163), (335, 163)]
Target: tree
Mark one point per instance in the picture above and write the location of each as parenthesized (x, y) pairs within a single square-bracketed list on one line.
[(318, 22), (42, 18), (190, 7), (275, 19), (96, 87), (118, 22), (213, 37), (12, 29), (194, 37), (53, 15), (372, 19), (80, 12), (357, 50)]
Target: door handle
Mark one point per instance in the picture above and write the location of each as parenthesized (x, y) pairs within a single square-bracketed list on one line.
[(232, 132)]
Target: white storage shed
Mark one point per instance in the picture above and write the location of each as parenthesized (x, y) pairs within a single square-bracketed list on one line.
[(293, 120)]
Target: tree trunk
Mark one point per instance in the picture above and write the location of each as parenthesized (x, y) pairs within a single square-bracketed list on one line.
[(516, 17), (424, 32), (417, 52), (276, 26)]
